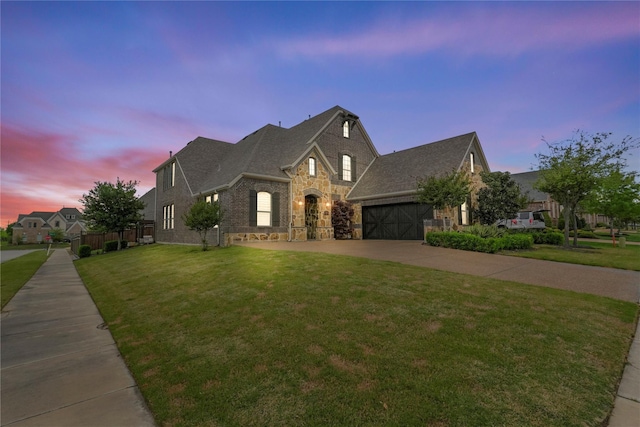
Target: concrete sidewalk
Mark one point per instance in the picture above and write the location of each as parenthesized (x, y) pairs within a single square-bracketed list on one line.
[(60, 366)]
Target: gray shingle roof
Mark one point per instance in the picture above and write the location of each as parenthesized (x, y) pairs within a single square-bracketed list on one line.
[(526, 180), (209, 164), (397, 173)]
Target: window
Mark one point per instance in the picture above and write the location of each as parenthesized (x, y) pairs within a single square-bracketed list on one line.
[(464, 214), (345, 129), (211, 198), (264, 209), (312, 166), (471, 162), (169, 176), (167, 217), (57, 224), (346, 167)]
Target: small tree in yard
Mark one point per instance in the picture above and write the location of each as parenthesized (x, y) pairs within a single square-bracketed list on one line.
[(500, 199), (112, 208), (573, 169), (341, 215), (445, 191), (202, 217), (617, 197)]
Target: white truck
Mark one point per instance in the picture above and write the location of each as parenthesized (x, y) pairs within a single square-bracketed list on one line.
[(524, 219)]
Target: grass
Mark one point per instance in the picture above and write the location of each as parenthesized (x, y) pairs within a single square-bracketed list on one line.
[(588, 253), (242, 337), (16, 272), (7, 247), (630, 235)]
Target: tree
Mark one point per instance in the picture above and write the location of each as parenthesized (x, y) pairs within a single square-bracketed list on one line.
[(572, 170), (617, 197), (445, 191), (57, 234), (341, 215), (202, 217), (112, 208), (500, 199)]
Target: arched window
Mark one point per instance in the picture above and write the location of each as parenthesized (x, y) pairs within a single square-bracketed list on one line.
[(345, 129), (264, 209), (346, 167), (312, 166)]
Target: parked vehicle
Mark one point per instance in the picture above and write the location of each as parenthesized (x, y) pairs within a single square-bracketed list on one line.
[(525, 219)]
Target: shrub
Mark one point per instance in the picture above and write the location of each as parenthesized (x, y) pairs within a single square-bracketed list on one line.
[(464, 241), (84, 251), (484, 231), (517, 241), (548, 238), (112, 245), (471, 242), (341, 217)]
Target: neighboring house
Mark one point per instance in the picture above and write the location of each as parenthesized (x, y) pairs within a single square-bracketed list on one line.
[(543, 201), (149, 200), (36, 226), (280, 183)]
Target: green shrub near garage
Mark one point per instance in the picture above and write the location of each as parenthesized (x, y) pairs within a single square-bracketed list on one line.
[(472, 242)]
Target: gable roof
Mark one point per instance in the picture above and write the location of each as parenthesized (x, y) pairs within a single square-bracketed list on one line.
[(209, 165), (46, 217), (397, 173), (526, 180)]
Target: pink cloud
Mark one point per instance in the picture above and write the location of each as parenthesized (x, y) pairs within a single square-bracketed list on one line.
[(43, 171), (496, 31)]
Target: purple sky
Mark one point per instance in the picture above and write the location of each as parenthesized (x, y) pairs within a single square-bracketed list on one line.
[(92, 91)]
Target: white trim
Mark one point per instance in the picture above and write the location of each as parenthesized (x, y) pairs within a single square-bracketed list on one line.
[(307, 153)]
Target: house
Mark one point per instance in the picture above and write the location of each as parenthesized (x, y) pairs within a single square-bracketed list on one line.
[(539, 200), (36, 226), (280, 183)]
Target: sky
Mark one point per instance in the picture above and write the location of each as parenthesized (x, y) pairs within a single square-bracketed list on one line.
[(96, 91)]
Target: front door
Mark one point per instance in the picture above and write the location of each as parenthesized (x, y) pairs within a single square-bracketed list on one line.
[(311, 216)]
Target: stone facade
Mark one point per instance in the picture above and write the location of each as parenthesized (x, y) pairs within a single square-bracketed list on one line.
[(276, 160)]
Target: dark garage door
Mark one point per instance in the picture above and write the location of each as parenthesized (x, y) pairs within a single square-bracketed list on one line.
[(395, 222)]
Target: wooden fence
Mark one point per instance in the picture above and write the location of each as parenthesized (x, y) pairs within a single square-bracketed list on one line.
[(144, 233)]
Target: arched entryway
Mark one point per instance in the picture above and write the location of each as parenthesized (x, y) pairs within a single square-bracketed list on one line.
[(311, 216)]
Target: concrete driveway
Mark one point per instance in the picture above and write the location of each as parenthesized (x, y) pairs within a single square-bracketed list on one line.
[(619, 284)]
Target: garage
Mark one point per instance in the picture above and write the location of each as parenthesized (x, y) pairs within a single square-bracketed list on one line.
[(403, 221)]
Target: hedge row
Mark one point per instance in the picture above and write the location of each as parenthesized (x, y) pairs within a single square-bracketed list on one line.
[(470, 242)]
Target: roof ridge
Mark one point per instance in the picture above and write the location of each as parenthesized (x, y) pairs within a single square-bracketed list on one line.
[(428, 143)]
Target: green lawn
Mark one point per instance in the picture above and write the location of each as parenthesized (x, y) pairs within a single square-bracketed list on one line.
[(242, 337), (630, 235), (7, 247), (16, 272), (588, 253)]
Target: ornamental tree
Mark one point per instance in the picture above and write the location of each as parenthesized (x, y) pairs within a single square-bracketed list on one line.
[(203, 217), (444, 191), (341, 216), (617, 197), (572, 170), (500, 199), (112, 207)]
